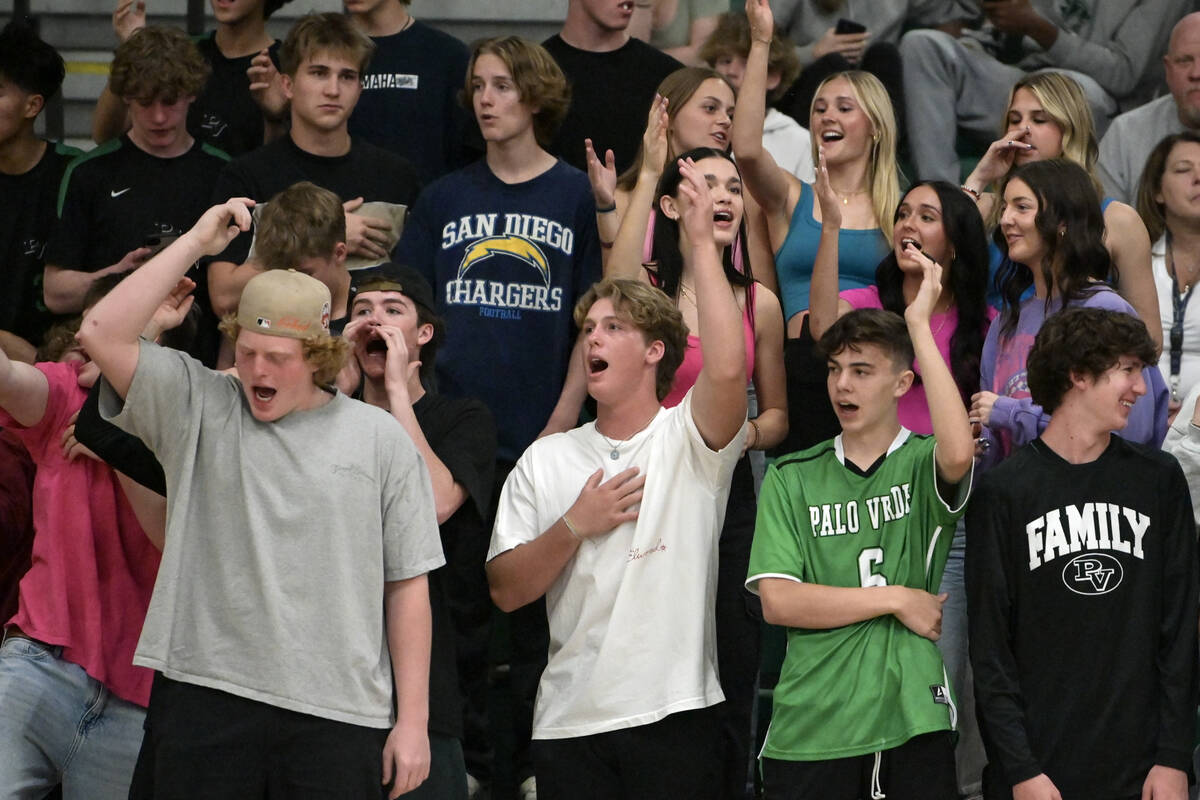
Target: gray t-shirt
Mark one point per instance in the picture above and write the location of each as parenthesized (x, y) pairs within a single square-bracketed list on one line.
[(280, 536)]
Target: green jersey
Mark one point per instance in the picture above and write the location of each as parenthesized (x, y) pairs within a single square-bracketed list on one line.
[(875, 684)]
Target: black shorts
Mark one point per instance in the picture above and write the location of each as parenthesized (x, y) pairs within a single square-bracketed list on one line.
[(678, 756), (920, 769), (205, 743)]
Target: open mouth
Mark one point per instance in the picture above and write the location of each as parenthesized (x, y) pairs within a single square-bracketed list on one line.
[(847, 408), (906, 242), (720, 136), (264, 394), (832, 136), (596, 366), (723, 216), (376, 346)]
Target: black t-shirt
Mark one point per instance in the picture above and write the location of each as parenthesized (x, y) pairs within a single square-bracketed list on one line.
[(409, 104), (27, 216), (1082, 590), (225, 114), (462, 435), (610, 97), (117, 196), (367, 171)]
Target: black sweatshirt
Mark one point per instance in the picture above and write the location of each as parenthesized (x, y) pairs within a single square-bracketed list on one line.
[(1082, 591)]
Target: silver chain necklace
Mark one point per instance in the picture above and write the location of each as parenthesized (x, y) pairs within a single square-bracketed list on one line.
[(615, 453)]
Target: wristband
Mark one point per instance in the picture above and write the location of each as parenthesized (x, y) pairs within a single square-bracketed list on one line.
[(757, 435), (571, 529), (606, 209), (974, 193)]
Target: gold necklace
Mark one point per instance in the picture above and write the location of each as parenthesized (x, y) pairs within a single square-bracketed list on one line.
[(846, 197)]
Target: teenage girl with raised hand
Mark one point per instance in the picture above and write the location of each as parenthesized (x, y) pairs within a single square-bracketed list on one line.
[(1049, 117), (693, 108), (1051, 235), (852, 121)]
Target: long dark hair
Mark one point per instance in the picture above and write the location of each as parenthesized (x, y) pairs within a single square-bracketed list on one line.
[(1152, 212), (968, 271), (1071, 225), (665, 252)]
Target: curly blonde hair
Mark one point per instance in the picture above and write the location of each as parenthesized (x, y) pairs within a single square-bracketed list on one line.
[(327, 354), (654, 314), (157, 62)]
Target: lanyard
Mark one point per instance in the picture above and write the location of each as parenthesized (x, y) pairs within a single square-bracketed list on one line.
[(1179, 302)]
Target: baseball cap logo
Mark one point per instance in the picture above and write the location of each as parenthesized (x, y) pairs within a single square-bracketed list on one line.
[(263, 322)]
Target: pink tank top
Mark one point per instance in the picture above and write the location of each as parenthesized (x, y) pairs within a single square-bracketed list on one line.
[(693, 359)]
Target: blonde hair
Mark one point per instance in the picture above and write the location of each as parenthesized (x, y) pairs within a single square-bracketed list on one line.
[(326, 354), (678, 88), (1062, 98), (652, 312), (883, 173), (540, 82), (303, 221)]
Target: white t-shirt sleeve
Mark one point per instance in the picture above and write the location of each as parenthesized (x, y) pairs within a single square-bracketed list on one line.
[(715, 467)]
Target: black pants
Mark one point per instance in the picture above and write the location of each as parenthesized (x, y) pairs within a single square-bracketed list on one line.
[(205, 743), (738, 618), (674, 757), (920, 769), (881, 60)]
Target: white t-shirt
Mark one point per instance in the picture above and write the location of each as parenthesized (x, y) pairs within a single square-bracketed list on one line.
[(280, 536), (632, 634), (790, 144)]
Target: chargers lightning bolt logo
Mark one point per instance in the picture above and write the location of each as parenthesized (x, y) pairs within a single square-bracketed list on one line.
[(515, 246)]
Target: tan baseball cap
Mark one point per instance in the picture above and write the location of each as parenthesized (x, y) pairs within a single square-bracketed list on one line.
[(285, 303)]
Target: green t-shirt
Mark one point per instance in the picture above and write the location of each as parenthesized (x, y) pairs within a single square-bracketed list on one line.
[(875, 684)]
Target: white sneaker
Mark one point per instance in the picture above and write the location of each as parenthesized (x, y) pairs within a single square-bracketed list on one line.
[(528, 790)]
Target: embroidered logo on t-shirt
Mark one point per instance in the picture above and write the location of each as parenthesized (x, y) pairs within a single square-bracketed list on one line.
[(114, 193)]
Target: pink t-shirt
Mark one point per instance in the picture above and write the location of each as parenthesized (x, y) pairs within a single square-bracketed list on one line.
[(93, 568), (913, 408)]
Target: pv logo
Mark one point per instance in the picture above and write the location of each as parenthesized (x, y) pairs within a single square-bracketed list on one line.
[(1093, 573)]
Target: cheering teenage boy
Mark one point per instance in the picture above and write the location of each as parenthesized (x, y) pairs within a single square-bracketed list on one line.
[(851, 540)]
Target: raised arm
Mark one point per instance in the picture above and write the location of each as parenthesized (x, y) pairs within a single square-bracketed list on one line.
[(823, 288), (766, 181), (955, 450), (719, 396), (1129, 244), (625, 257), (111, 119), (24, 391), (110, 332)]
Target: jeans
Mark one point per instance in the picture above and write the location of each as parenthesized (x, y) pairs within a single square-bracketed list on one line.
[(59, 725), (953, 644)]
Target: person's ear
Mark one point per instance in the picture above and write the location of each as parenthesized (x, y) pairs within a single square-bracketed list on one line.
[(773, 79), (34, 104), (904, 382), (285, 81), (655, 351), (424, 334), (340, 251), (669, 206)]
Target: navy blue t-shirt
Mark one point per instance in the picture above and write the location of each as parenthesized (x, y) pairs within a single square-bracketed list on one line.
[(507, 263), (409, 102)]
